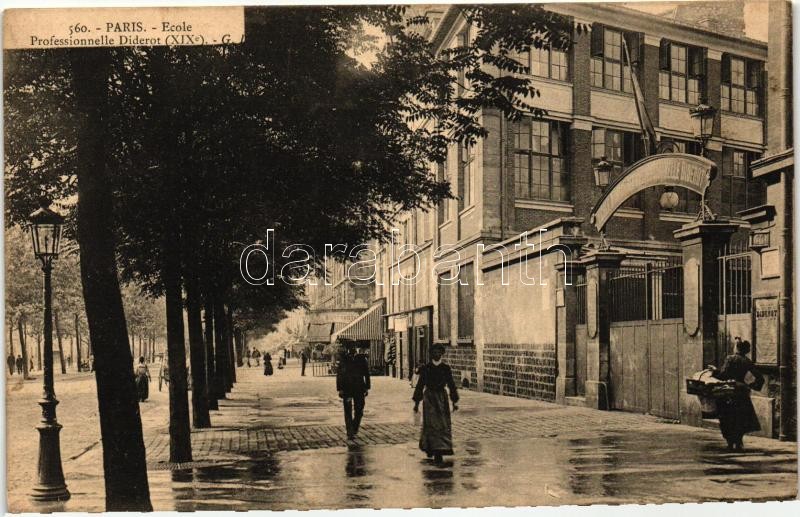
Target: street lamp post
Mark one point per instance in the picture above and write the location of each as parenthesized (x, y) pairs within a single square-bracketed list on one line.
[(45, 227), (703, 117), (602, 173), (703, 123)]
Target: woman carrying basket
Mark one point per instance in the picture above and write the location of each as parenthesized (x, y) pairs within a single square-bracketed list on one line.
[(736, 413)]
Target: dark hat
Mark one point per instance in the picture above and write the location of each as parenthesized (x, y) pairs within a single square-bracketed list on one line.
[(743, 347), (438, 347)]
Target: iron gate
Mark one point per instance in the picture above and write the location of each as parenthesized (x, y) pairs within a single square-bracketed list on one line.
[(580, 335), (735, 298), (646, 326)]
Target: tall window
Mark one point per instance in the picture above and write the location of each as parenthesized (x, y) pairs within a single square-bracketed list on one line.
[(739, 190), (545, 62), (621, 149), (540, 165), (466, 301), (609, 66), (466, 176), (683, 71), (444, 306), (741, 87), (442, 213)]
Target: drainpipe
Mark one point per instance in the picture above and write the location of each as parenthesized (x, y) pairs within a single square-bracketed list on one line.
[(780, 24), (502, 177), (785, 311)]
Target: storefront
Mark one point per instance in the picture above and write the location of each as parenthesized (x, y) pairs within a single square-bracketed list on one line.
[(408, 339), (366, 332)]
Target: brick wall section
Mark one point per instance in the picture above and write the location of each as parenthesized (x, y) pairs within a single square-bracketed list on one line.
[(462, 361), (525, 371)]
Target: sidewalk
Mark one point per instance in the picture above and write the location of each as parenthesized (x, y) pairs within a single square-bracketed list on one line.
[(279, 443)]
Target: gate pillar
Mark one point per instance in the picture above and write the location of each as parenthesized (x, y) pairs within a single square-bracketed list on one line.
[(600, 266), (702, 242), (566, 320)]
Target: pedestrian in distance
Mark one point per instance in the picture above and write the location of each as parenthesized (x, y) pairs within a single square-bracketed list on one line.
[(31, 366), (436, 438), (737, 416), (20, 365), (256, 356), (303, 360), (352, 384), (268, 364), (11, 364), (247, 357), (142, 380)]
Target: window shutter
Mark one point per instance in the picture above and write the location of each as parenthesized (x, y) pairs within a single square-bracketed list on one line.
[(597, 39), (697, 61), (754, 72), (664, 56), (726, 68), (634, 41), (727, 161)]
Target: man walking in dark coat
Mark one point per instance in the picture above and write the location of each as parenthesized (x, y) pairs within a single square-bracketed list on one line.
[(352, 383), (10, 361), (303, 360), (20, 365)]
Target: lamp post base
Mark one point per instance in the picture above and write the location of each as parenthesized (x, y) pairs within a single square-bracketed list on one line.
[(51, 485)]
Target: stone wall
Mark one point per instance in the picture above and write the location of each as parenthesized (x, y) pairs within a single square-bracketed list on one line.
[(462, 361), (526, 371)]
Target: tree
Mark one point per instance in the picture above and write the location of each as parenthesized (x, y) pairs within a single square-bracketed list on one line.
[(120, 422), (286, 131)]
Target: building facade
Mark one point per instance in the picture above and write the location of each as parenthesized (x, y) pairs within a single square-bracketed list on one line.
[(334, 301), (503, 274)]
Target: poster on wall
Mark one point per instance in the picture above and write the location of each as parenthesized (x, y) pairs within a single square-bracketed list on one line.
[(766, 322)]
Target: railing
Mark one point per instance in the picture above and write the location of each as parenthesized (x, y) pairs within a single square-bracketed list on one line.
[(580, 299), (323, 369), (647, 291), (734, 278)]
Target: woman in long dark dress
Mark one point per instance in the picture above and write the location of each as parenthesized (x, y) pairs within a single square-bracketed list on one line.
[(736, 413), (142, 380), (267, 364), (436, 438)]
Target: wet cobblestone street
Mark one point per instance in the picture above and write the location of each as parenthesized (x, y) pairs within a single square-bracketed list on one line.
[(279, 443)]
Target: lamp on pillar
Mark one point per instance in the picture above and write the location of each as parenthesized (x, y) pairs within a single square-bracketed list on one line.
[(669, 199), (45, 227), (702, 117), (602, 173)]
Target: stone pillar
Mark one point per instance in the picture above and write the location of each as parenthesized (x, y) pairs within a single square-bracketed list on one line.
[(600, 265), (701, 242), (567, 271), (566, 318)]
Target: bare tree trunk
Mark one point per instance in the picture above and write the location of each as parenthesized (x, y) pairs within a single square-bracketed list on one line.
[(11, 339), (221, 348), (124, 464), (39, 351), (60, 348), (231, 351), (211, 379), (180, 442), (200, 415), (77, 343), (22, 345)]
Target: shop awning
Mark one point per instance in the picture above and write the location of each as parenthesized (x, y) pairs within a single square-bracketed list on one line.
[(367, 327)]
